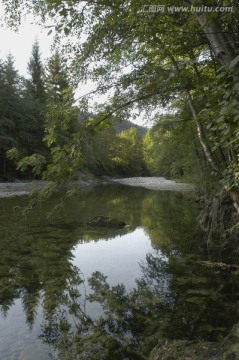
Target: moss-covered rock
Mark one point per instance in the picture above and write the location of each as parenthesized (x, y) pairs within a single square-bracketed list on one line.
[(185, 350), (228, 349), (230, 345)]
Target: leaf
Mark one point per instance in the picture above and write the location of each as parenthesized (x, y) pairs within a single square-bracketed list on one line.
[(236, 87), (66, 31), (234, 62), (63, 12), (224, 110), (199, 292), (226, 131), (196, 300), (220, 119)]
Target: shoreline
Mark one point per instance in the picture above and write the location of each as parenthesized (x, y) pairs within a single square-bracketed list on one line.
[(155, 183), (24, 188)]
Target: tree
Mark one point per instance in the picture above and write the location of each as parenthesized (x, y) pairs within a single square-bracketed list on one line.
[(163, 63), (24, 108), (108, 153), (171, 149), (35, 85), (62, 125), (133, 147), (35, 100), (11, 114)]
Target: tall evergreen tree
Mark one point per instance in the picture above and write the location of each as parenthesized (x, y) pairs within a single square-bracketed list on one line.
[(61, 121), (59, 87), (11, 113), (22, 116), (35, 99), (35, 85)]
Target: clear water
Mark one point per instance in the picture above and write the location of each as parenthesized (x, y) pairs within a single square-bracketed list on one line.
[(44, 259)]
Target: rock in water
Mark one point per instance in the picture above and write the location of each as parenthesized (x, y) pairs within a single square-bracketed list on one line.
[(107, 222)]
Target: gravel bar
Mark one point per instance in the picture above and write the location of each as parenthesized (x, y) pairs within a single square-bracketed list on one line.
[(155, 183)]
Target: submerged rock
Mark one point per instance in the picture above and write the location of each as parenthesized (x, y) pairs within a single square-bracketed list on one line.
[(107, 222)]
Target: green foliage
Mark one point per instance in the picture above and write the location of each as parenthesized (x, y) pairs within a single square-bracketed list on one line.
[(149, 62), (133, 147), (170, 149), (52, 150), (12, 114), (22, 120), (167, 302), (108, 153), (178, 295), (222, 118), (36, 161), (35, 85), (62, 127)]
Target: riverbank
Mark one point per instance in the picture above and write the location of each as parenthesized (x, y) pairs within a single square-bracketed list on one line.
[(11, 189), (23, 188)]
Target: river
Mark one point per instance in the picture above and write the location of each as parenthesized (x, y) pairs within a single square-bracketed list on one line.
[(46, 261)]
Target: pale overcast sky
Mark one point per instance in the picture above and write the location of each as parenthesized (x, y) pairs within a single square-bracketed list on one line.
[(19, 43)]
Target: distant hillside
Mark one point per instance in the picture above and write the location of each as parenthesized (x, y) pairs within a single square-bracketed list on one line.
[(118, 125), (121, 125)]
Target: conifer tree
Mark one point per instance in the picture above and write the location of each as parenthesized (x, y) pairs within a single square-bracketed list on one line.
[(62, 125), (11, 115), (35, 85), (35, 98)]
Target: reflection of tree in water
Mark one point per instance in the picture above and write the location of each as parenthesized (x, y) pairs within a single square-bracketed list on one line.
[(34, 269), (170, 220), (36, 252), (178, 299), (38, 267)]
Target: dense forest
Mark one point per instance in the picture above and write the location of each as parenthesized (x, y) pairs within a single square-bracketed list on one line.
[(177, 68), (40, 119), (182, 62), (175, 64)]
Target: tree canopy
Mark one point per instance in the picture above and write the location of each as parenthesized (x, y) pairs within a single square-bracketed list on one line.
[(177, 59)]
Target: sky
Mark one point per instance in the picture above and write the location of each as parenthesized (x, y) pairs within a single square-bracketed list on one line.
[(19, 44)]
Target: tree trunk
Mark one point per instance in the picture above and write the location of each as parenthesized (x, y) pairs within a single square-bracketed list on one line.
[(220, 43), (201, 135), (234, 195), (199, 125), (225, 50)]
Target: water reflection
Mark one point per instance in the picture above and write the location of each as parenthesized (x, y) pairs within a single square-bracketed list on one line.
[(40, 264), (178, 299)]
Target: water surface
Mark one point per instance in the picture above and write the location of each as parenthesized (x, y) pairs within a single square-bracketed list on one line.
[(44, 262)]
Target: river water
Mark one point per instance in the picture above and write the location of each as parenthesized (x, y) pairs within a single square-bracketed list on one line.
[(46, 260)]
